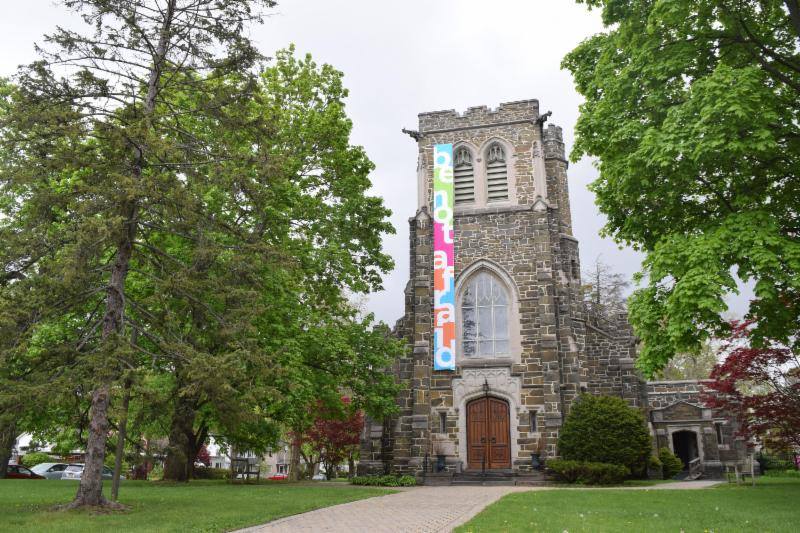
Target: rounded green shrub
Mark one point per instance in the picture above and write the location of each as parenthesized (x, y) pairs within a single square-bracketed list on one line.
[(655, 469), (603, 429), (407, 481), (671, 463)]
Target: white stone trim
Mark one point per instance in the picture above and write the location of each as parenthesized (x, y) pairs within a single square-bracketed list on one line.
[(539, 174)]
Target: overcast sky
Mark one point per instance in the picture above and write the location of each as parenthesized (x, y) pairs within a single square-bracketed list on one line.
[(403, 58)]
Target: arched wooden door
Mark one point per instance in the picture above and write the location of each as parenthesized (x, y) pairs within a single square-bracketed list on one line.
[(488, 434)]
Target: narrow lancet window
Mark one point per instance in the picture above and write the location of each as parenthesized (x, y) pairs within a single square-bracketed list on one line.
[(464, 177), (496, 174)]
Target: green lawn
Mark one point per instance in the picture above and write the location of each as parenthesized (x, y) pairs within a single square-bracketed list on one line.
[(25, 505), (772, 505)]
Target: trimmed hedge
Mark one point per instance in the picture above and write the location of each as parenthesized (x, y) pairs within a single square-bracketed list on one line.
[(671, 463), (211, 473), (384, 481), (783, 473), (604, 429), (35, 458), (772, 462), (588, 473)]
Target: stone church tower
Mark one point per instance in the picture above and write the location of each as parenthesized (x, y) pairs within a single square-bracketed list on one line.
[(526, 345)]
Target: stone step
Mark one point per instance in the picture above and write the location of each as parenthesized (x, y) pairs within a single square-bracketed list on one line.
[(488, 478), (497, 482)]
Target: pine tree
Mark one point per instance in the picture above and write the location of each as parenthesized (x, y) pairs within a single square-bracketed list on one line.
[(88, 166)]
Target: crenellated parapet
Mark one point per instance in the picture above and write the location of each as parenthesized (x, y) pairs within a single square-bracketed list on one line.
[(505, 113)]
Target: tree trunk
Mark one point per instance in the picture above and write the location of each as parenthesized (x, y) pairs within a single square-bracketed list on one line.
[(122, 430), (176, 467), (294, 460), (8, 436), (351, 465), (197, 440), (90, 490)]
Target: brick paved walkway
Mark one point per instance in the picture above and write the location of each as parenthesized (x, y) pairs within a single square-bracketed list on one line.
[(419, 510)]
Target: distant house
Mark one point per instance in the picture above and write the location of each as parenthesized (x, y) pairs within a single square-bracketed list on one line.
[(272, 462), (25, 443)]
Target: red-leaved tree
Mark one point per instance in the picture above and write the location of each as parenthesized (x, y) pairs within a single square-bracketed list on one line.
[(760, 385), (203, 456), (334, 437)]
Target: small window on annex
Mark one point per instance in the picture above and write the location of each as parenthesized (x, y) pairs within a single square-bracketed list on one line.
[(485, 306)]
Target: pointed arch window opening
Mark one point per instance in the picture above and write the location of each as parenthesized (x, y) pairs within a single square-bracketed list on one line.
[(463, 177), (485, 307), (496, 174)]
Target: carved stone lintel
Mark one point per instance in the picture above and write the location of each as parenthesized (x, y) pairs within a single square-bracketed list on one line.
[(496, 153), (500, 382)]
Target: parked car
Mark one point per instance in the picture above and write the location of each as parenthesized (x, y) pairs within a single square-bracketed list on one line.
[(49, 470), (319, 477), (75, 470), (278, 477), (21, 472)]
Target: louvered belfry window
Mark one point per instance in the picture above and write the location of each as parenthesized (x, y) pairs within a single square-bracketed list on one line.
[(464, 177), (496, 174)]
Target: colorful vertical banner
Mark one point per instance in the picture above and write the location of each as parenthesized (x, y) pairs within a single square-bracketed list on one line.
[(444, 291)]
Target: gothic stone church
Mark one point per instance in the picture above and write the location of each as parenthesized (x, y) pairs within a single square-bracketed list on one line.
[(526, 345)]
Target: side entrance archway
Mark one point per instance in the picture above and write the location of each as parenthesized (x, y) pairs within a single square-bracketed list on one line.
[(685, 445), (488, 434)]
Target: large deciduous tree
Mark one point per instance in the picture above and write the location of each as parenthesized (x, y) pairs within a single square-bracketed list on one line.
[(693, 111), (308, 212), (759, 385)]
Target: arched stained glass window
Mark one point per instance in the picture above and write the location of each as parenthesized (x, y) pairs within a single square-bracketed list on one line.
[(484, 317)]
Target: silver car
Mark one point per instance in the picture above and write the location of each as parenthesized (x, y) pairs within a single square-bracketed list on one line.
[(50, 470), (75, 470)]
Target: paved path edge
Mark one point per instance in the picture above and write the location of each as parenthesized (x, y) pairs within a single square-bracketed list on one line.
[(257, 527)]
